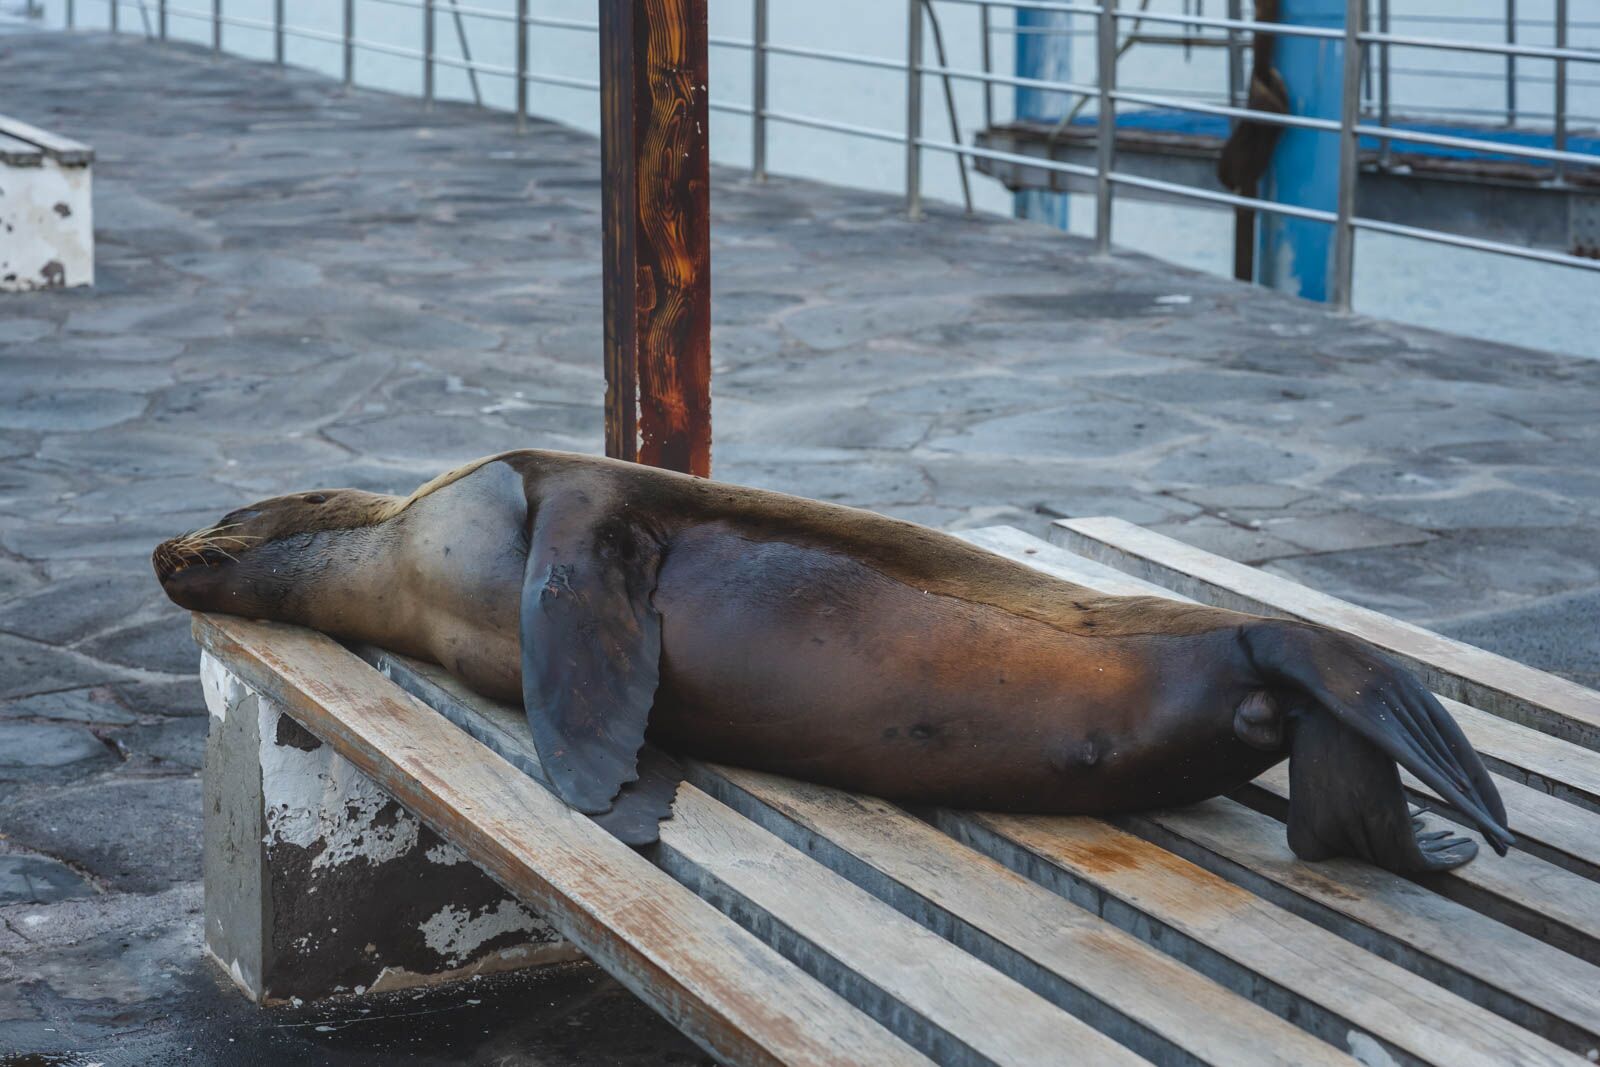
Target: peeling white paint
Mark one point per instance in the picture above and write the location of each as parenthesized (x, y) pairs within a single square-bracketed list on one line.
[(446, 855), (1368, 1051), (223, 691), (455, 933), (319, 796)]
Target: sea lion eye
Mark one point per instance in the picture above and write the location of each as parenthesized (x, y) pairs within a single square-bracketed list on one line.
[(315, 498)]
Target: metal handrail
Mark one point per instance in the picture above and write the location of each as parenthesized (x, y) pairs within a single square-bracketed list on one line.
[(1359, 41)]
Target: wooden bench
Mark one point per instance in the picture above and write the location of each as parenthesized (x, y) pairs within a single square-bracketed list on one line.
[(46, 217), (778, 921)]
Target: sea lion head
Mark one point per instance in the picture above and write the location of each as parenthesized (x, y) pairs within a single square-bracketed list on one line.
[(256, 561)]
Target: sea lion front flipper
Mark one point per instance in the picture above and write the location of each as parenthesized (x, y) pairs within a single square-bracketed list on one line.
[(591, 646), (1357, 710), (636, 814)]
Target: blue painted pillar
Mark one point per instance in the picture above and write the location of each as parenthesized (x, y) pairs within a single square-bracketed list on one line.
[(1296, 255), (1043, 55)]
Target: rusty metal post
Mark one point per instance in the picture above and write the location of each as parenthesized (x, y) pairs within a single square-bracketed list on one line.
[(657, 249)]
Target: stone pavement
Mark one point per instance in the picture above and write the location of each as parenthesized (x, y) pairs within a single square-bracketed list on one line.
[(300, 286)]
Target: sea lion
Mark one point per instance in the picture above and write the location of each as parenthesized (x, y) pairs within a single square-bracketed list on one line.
[(837, 645)]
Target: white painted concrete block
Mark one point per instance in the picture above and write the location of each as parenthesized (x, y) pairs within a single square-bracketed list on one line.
[(46, 210)]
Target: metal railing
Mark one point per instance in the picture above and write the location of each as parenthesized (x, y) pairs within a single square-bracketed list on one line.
[(1359, 45)]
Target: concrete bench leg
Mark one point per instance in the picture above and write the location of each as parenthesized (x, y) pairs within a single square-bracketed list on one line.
[(317, 882)]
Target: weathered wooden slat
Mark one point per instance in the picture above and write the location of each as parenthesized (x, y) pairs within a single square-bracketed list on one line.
[(655, 216), (1546, 783), (854, 944), (1108, 977), (63, 150), (733, 995), (1520, 889), (1336, 989), (1529, 982), (1483, 679), (938, 998)]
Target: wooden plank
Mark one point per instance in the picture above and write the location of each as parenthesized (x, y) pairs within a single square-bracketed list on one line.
[(1532, 769), (1548, 902), (1290, 965), (938, 998), (1148, 1001), (654, 136), (1529, 982), (1483, 679), (869, 966), (733, 995), (63, 150), (1124, 988), (17, 153)]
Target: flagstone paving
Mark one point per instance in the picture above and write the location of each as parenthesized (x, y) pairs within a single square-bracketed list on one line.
[(303, 286)]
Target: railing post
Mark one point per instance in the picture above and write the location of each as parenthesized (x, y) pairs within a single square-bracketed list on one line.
[(72, 15), (1235, 58), (216, 26), (1511, 64), (161, 19), (277, 32), (758, 91), (914, 109), (427, 54), (1344, 237), (656, 232), (1106, 126), (985, 50), (1383, 82), (349, 42), (522, 66), (1561, 89), (115, 16)]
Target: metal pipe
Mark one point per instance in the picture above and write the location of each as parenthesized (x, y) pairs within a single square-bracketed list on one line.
[(950, 104), (1235, 57), (466, 53), (1384, 145), (522, 66), (758, 91), (1561, 88), (1106, 124), (277, 31), (1344, 234), (216, 26), (984, 34), (349, 42), (1511, 64), (115, 15), (161, 19), (1456, 240), (1456, 44), (427, 54), (913, 108)]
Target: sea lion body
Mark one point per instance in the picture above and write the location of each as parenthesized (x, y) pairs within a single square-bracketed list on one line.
[(793, 636)]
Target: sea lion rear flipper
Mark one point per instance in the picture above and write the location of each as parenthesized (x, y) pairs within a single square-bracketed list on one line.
[(1357, 712), (591, 646), (1345, 800)]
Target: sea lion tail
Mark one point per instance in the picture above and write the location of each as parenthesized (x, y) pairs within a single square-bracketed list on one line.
[(1355, 714)]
